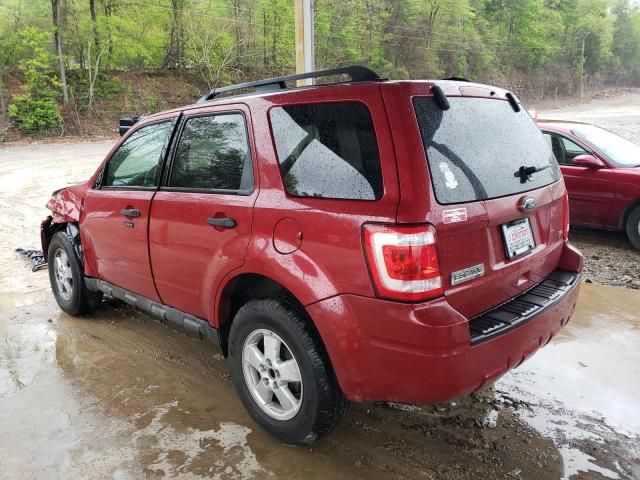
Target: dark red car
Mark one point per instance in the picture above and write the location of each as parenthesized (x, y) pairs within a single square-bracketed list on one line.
[(602, 174), (365, 240)]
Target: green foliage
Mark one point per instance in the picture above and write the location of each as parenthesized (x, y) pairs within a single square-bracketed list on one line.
[(36, 110), (539, 47), (35, 115)]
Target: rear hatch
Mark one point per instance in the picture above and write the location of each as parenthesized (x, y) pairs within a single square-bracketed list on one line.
[(496, 198)]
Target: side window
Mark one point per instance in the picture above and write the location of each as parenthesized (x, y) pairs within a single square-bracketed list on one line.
[(328, 150), (213, 153), (572, 150), (564, 149), (136, 162)]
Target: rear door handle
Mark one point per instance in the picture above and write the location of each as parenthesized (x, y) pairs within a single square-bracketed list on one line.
[(224, 222), (130, 212)]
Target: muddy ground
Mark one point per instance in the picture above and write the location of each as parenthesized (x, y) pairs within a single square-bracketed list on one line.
[(117, 395)]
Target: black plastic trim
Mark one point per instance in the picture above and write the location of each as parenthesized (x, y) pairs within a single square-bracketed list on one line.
[(513, 102), (192, 326), (522, 308), (441, 99), (356, 72)]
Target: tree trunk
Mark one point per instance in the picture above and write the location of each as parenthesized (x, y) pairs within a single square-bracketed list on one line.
[(173, 55), (94, 21), (55, 10)]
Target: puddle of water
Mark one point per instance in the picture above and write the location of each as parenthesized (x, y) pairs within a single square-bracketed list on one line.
[(118, 395), (579, 463), (584, 387)]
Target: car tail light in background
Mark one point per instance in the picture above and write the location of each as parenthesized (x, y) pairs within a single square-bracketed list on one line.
[(403, 261), (565, 216)]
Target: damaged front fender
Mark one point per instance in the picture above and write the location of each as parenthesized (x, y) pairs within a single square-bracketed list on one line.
[(67, 208), (67, 204)]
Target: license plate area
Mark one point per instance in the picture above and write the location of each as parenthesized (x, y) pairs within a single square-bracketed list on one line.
[(518, 237)]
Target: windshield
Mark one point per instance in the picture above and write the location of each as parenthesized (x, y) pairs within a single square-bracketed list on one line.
[(620, 151), (478, 149)]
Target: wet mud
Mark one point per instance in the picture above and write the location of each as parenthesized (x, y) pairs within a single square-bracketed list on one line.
[(118, 395)]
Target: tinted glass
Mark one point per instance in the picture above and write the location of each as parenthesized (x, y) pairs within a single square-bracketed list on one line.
[(213, 153), (618, 150), (328, 150), (136, 162), (475, 148)]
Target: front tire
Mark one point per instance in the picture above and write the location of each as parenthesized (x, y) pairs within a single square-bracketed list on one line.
[(282, 373), (633, 227), (67, 279)]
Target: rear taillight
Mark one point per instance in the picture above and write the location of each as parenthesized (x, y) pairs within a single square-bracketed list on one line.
[(565, 216), (403, 261)]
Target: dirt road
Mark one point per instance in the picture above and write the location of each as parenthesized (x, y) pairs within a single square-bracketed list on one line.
[(117, 395)]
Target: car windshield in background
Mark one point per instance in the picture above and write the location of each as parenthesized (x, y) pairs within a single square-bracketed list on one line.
[(475, 148), (620, 151)]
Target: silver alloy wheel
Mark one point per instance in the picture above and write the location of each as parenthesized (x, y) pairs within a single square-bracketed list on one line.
[(63, 274), (272, 374)]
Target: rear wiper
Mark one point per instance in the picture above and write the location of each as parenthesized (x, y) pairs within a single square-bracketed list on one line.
[(525, 172)]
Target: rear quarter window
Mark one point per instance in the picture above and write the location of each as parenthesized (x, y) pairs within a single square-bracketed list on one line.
[(327, 150), (476, 146)]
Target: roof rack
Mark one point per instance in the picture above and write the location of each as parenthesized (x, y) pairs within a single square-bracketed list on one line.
[(457, 79), (356, 72)]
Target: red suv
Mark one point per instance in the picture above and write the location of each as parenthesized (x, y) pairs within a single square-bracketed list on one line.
[(365, 240)]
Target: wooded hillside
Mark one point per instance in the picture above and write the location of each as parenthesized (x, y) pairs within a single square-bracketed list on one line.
[(80, 53)]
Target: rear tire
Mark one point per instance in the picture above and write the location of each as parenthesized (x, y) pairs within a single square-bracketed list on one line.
[(282, 373), (633, 227), (67, 278)]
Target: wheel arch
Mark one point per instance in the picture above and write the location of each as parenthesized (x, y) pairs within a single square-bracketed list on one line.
[(631, 206), (243, 288), (49, 228)]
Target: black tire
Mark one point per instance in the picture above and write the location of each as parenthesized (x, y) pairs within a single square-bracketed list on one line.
[(322, 405), (77, 299), (633, 227)]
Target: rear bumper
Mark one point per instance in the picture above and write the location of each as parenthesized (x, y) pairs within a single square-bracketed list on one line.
[(424, 353)]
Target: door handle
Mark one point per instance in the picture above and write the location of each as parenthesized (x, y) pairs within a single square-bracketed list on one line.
[(224, 222), (130, 212)]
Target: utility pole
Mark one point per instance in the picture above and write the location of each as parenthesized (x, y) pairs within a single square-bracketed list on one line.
[(304, 39), (583, 60)]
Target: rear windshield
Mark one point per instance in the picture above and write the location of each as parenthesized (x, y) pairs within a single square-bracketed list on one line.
[(475, 148)]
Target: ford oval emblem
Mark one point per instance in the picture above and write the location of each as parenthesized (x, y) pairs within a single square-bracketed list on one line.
[(527, 204)]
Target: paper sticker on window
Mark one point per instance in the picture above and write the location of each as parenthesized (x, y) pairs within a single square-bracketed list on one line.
[(454, 215), (449, 178)]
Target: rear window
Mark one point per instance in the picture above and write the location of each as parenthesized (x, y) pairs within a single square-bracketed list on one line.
[(475, 148), (327, 150)]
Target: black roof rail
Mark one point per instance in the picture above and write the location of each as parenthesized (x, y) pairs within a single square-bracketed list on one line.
[(457, 79), (356, 72)]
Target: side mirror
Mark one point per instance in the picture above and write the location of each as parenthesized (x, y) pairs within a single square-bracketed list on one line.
[(588, 161)]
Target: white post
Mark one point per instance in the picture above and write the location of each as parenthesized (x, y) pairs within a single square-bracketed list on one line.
[(309, 52), (304, 39)]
